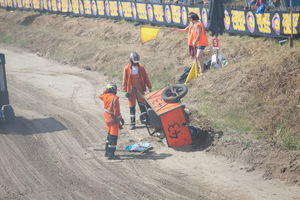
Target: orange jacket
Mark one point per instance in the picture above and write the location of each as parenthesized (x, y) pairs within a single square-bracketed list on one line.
[(127, 85), (203, 37), (112, 108)]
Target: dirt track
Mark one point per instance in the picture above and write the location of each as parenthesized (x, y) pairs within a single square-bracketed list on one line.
[(54, 150)]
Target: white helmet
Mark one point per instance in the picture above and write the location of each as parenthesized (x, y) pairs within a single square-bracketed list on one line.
[(134, 58)]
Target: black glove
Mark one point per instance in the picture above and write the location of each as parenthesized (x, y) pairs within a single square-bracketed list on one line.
[(122, 122)]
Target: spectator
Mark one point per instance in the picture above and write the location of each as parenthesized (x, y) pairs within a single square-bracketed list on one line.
[(197, 39), (260, 5)]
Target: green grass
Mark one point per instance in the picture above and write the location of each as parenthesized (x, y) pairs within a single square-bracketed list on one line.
[(233, 119), (5, 38), (248, 144), (160, 81), (114, 74), (237, 119), (288, 141)]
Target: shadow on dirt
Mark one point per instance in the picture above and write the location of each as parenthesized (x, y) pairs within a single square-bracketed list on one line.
[(35, 126), (28, 20), (140, 127), (146, 156), (151, 155), (202, 142)]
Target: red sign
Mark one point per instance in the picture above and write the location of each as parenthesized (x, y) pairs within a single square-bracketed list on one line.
[(215, 43)]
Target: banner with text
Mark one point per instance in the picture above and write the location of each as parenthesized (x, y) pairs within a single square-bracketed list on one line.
[(245, 22)]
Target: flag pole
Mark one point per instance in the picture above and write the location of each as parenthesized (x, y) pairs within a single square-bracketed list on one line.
[(195, 55), (292, 27)]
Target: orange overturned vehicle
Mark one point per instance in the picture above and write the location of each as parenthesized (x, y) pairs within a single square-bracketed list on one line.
[(165, 111)]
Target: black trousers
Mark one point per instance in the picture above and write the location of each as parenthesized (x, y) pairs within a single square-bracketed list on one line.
[(132, 112), (111, 144)]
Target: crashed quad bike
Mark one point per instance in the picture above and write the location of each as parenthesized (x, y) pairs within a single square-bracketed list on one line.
[(165, 111)]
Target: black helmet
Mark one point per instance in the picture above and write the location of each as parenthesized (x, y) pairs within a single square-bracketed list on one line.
[(111, 88), (134, 58)]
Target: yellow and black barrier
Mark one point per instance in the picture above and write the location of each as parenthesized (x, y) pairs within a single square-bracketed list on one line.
[(237, 21)]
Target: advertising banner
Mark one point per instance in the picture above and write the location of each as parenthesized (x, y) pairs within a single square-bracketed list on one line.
[(243, 22)]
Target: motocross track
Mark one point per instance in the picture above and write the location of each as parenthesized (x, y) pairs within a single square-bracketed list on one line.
[(54, 150)]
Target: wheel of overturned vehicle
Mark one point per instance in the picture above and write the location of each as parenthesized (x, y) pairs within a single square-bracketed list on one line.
[(174, 93), (9, 114), (195, 132)]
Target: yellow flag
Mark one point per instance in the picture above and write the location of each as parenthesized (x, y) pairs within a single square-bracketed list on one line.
[(148, 33), (193, 73)]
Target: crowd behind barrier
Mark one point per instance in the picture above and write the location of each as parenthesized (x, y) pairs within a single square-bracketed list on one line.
[(237, 21)]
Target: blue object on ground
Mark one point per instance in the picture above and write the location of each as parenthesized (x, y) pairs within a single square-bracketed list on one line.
[(139, 147)]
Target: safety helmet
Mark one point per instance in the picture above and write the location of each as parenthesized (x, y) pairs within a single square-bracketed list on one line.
[(134, 58), (111, 88)]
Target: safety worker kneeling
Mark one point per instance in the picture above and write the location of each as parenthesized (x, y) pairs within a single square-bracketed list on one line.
[(113, 119), (135, 76)]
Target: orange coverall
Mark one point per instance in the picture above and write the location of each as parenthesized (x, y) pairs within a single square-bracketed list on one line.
[(112, 112), (140, 81)]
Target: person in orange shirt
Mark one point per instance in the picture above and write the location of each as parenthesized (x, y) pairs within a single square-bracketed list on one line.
[(188, 28), (135, 76), (113, 119), (197, 39)]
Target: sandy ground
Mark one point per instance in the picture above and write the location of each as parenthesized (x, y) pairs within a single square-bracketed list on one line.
[(54, 150)]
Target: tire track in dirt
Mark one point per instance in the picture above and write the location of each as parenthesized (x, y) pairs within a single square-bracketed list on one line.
[(61, 130), (59, 124)]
